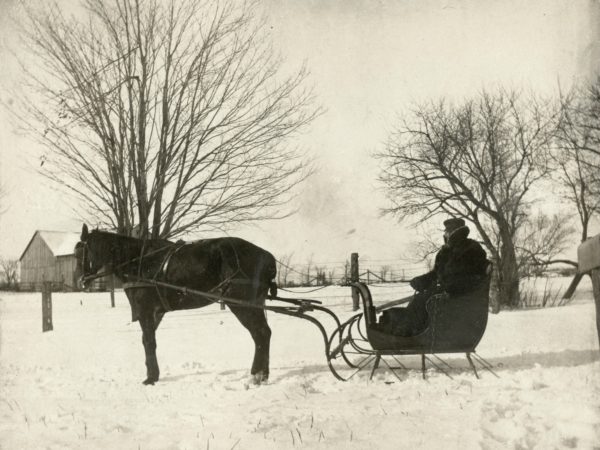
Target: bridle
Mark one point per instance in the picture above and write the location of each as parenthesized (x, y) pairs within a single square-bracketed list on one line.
[(86, 264)]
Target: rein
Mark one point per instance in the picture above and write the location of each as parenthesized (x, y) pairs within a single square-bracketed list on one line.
[(111, 271)]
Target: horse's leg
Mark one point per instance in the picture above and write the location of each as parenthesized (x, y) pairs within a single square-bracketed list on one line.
[(255, 322), (149, 320)]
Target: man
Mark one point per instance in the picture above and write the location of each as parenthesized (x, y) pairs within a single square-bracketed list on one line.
[(460, 267)]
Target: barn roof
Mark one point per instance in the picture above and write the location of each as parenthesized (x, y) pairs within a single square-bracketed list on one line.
[(61, 243)]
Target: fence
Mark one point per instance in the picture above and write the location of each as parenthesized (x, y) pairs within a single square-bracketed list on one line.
[(340, 272), (324, 274), (59, 286)]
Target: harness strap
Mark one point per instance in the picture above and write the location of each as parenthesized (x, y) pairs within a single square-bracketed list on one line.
[(141, 258), (137, 284), (167, 259), (124, 263)]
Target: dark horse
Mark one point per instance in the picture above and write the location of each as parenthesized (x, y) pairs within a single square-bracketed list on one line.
[(228, 266)]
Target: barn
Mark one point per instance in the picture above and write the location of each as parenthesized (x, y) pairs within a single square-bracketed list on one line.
[(49, 256)]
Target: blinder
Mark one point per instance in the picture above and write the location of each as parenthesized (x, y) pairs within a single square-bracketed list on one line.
[(84, 264)]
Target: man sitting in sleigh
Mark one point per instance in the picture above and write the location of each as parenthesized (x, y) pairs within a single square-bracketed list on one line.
[(460, 268)]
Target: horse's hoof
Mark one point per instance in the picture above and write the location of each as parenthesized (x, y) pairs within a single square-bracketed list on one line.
[(260, 378), (149, 382)]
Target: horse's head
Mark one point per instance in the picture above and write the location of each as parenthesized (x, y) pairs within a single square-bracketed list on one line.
[(88, 258)]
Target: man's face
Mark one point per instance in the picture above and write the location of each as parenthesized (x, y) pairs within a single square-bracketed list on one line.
[(447, 234)]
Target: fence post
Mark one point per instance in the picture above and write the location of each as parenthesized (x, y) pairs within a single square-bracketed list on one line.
[(354, 278), (47, 306), (112, 290)]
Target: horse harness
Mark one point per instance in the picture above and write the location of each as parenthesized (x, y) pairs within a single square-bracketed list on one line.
[(237, 276)]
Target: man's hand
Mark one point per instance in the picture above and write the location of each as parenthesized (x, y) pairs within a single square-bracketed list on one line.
[(417, 284)]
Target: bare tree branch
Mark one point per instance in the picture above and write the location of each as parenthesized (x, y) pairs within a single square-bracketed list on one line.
[(478, 159), (577, 156), (541, 240), (169, 116)]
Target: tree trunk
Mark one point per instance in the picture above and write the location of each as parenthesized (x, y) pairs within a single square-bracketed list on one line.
[(574, 283), (495, 289), (508, 286)]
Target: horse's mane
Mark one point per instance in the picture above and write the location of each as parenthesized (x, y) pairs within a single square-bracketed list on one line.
[(123, 247), (123, 238)]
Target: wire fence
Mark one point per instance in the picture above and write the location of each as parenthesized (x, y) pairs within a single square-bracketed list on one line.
[(341, 296), (290, 274), (99, 285)]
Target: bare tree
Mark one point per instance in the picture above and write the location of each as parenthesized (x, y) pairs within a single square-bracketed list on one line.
[(10, 270), (347, 274), (578, 157), (307, 276), (331, 276), (425, 249), (166, 116), (541, 239), (480, 160), (284, 266), (384, 271), (321, 276), (577, 154)]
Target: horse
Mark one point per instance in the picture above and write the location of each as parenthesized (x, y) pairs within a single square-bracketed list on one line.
[(226, 266)]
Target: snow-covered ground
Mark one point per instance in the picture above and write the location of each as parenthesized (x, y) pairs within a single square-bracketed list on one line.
[(79, 386)]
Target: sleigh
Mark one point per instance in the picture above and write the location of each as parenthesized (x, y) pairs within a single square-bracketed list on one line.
[(455, 326)]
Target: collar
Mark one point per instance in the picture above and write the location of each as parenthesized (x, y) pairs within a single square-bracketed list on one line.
[(458, 235)]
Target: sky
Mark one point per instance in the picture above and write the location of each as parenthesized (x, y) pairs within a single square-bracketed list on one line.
[(369, 61)]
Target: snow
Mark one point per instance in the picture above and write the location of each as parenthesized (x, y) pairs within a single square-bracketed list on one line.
[(79, 386)]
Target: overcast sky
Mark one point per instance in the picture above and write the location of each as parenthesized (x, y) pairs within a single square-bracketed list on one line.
[(368, 60)]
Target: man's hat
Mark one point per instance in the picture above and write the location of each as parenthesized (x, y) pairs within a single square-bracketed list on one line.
[(453, 223)]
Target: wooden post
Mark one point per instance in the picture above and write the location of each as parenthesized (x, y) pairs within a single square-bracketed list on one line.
[(112, 290), (354, 278), (595, 275), (574, 283), (588, 257), (47, 306)]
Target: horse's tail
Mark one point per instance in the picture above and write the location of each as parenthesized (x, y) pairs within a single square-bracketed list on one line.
[(271, 274)]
